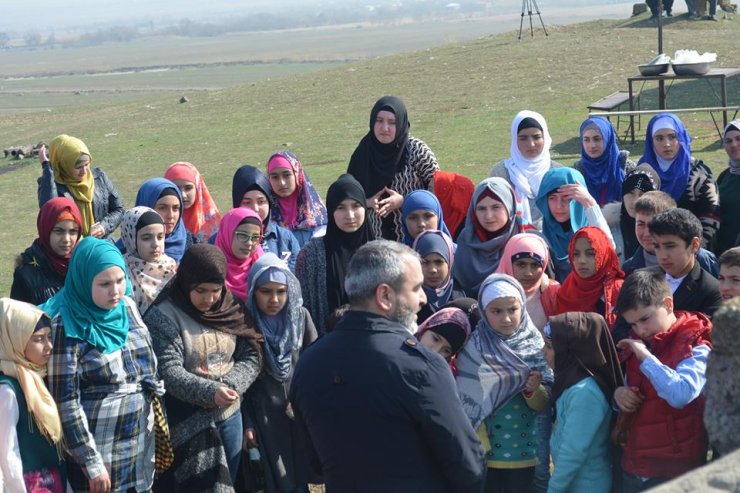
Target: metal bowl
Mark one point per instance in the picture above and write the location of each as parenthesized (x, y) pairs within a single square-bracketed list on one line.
[(691, 68), (649, 70)]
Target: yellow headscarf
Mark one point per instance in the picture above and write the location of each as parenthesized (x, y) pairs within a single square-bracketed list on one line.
[(17, 323), (65, 151)]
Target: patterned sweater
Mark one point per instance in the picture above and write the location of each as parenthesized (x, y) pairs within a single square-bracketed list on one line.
[(702, 198)]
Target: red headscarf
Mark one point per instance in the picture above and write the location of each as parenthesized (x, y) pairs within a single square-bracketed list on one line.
[(202, 218), (454, 192), (582, 295), (53, 211)]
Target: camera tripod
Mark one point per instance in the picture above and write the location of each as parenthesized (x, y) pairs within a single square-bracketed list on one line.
[(527, 6)]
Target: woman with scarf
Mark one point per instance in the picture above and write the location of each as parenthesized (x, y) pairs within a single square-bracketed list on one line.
[(103, 374), (322, 263), (528, 163), (200, 214), (389, 164), (579, 348), (276, 306), (493, 218), (686, 179), (41, 269), (454, 192), (67, 172), (596, 277), (239, 238), (30, 428), (638, 182), (445, 332), (149, 269), (208, 357), (437, 259), (502, 380), (295, 203), (421, 211), (728, 184)]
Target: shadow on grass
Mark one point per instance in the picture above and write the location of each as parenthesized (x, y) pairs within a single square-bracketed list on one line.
[(643, 21)]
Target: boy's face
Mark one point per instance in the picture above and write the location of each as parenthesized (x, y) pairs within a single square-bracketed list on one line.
[(675, 257), (646, 321), (642, 232), (729, 281)]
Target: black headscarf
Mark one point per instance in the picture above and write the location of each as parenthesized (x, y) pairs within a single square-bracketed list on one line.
[(340, 246), (246, 179), (374, 164), (643, 178)]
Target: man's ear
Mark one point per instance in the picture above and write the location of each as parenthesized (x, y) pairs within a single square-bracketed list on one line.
[(385, 297)]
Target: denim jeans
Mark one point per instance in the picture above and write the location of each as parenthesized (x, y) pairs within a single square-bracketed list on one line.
[(692, 8), (542, 470), (231, 434)]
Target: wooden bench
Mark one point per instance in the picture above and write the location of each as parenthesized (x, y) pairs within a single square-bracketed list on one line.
[(614, 101)]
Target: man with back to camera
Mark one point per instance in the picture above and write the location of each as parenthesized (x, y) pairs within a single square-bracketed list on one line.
[(381, 411)]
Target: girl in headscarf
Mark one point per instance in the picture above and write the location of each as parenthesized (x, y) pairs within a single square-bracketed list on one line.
[(493, 218), (445, 332), (528, 163), (41, 269), (390, 164), (208, 357), (322, 263), (103, 373), (296, 204), (200, 214), (164, 197), (579, 347), (728, 185), (67, 172), (250, 188), (30, 428), (276, 306), (500, 375), (638, 182), (566, 207), (454, 192), (602, 164), (437, 258), (421, 211), (596, 277), (149, 269), (239, 238), (686, 179)]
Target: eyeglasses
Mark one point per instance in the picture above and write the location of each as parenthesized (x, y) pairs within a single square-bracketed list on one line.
[(248, 238)]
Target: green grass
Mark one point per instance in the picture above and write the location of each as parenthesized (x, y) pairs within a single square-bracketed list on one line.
[(461, 99)]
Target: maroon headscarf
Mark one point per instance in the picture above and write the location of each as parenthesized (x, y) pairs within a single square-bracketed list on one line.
[(56, 210)]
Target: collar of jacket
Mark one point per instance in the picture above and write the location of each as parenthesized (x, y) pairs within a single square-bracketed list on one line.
[(362, 320)]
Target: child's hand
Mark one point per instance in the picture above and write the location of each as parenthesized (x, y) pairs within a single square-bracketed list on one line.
[(225, 396), (636, 346), (533, 381), (628, 399)]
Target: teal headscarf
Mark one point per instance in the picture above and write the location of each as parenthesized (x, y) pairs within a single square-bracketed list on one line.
[(107, 330)]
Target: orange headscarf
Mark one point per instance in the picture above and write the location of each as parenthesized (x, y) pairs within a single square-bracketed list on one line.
[(202, 218)]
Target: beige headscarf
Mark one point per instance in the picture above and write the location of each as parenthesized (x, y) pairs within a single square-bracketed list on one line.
[(17, 323), (64, 152)]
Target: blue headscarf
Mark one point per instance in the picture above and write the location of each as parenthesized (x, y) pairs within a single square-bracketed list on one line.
[(435, 241), (283, 332), (421, 200), (148, 194), (675, 178), (604, 175), (553, 231), (107, 330)]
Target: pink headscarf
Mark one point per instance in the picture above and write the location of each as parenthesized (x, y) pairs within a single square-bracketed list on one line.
[(529, 243), (302, 209), (202, 217), (289, 204), (237, 269)]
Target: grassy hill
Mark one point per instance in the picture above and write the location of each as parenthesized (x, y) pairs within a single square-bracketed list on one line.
[(461, 99)]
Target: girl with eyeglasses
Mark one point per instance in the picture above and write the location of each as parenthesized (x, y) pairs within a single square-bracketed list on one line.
[(239, 238)]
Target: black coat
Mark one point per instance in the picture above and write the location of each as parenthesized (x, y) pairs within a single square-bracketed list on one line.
[(698, 292), (382, 412), (34, 280)]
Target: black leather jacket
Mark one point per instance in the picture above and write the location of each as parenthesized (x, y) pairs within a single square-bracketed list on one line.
[(34, 280)]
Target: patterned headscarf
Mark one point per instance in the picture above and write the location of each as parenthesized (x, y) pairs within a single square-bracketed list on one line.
[(604, 175), (452, 324), (674, 175), (201, 218), (303, 209), (64, 152)]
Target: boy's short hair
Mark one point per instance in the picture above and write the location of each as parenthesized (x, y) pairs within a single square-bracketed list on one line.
[(644, 287), (654, 202), (679, 222), (730, 258)]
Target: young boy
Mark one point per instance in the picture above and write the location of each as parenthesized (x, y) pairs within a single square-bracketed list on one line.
[(676, 237), (729, 274), (664, 378)]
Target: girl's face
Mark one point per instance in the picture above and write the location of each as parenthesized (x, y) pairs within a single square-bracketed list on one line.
[(188, 192), (491, 214), (204, 295), (271, 297), (435, 270), (731, 144), (63, 237), (593, 143), (82, 168), (108, 287), (666, 143), (531, 142), (421, 220), (504, 315), (584, 258), (349, 215), (257, 201), (527, 271), (559, 206), (437, 343), (549, 354), (629, 200), (384, 127), (169, 208), (150, 242), (282, 181), (38, 348), (245, 241)]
